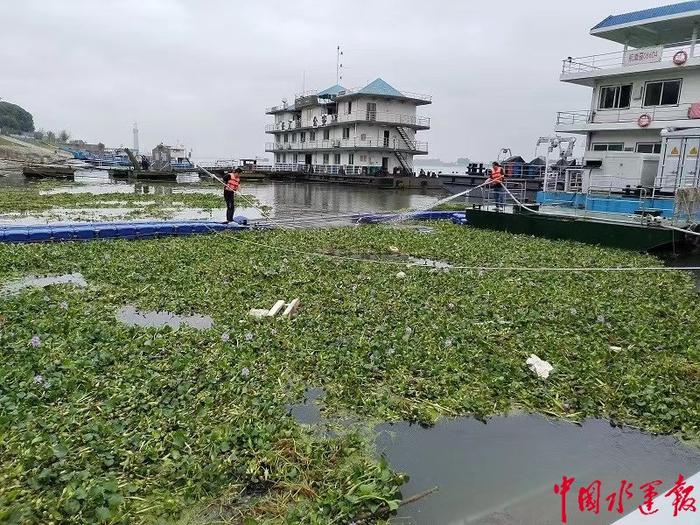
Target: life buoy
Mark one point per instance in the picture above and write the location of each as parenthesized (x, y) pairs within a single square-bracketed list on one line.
[(680, 58), (644, 120)]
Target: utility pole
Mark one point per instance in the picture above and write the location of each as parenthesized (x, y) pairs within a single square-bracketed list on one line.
[(338, 66), (136, 138)]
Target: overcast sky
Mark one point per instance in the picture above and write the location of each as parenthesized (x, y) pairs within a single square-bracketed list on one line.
[(201, 72)]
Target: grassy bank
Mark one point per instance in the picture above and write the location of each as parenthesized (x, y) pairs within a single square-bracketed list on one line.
[(104, 422)]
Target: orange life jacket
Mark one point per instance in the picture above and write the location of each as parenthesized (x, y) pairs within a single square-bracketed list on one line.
[(233, 183), (497, 175)]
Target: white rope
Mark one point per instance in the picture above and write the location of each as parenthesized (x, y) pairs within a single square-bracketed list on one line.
[(482, 268), (407, 215)]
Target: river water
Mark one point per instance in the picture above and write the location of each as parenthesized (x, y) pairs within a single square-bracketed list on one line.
[(503, 471), (287, 200)]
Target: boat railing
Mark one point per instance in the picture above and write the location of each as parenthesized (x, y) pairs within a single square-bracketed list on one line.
[(632, 114), (568, 180), (324, 169), (359, 144), (616, 59), (400, 119)]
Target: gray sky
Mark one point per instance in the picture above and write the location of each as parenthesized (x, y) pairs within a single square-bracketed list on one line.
[(202, 71)]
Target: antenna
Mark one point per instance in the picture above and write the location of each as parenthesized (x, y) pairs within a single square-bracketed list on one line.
[(338, 66)]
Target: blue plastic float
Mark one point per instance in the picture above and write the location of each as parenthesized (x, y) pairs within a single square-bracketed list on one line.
[(111, 230), (87, 231)]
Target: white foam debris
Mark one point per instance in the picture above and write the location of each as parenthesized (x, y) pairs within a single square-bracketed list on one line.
[(616, 348), (539, 367), (394, 249), (401, 275)]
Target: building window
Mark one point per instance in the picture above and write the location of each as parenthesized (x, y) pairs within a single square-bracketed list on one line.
[(665, 93), (325, 158), (286, 137), (284, 158), (336, 158), (363, 158), (351, 159), (312, 136), (363, 136), (326, 134), (346, 133), (278, 158), (302, 136), (294, 137), (615, 146), (350, 107), (615, 97), (295, 158), (648, 147)]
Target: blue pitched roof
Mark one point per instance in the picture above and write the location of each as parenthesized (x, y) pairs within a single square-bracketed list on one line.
[(333, 90), (647, 14), (380, 87)]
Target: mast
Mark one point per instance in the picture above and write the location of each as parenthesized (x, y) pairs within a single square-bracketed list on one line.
[(338, 66)]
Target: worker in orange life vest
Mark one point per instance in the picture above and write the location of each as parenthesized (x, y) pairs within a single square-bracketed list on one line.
[(497, 182), (231, 181)]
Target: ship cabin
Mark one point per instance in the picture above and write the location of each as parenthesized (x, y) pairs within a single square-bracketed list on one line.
[(647, 87), (366, 131)]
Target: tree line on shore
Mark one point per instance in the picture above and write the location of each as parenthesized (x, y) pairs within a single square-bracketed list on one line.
[(16, 120)]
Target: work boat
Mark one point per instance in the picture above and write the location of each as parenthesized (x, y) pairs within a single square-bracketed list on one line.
[(638, 184)]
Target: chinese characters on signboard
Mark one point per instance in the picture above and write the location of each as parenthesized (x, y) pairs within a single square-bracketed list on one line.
[(646, 55)]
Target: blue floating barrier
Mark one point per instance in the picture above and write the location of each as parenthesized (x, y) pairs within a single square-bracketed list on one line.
[(40, 234), (184, 228), (144, 230), (63, 233), (113, 230), (84, 233), (107, 232), (17, 235)]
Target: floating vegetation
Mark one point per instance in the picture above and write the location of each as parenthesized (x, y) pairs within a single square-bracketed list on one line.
[(31, 199), (107, 422)]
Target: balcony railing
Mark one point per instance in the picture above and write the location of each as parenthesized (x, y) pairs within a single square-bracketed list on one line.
[(613, 116), (326, 169), (396, 119), (394, 145), (616, 59)]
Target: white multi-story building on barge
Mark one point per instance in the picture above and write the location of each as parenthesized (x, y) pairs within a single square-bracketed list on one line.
[(370, 130), (648, 88)]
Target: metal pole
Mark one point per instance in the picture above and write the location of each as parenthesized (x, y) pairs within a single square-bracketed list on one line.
[(693, 40)]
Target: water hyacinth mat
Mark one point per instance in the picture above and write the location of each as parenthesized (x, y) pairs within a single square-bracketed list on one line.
[(104, 422)]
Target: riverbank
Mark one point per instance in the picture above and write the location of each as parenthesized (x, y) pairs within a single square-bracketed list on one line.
[(109, 421)]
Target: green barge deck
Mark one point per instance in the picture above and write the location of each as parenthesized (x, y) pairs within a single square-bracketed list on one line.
[(619, 234)]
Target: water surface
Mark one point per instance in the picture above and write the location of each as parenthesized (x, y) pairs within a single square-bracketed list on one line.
[(32, 281), (504, 471), (129, 315)]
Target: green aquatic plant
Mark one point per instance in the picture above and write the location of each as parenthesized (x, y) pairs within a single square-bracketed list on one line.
[(45, 197), (152, 424)]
